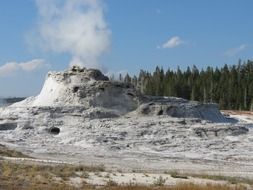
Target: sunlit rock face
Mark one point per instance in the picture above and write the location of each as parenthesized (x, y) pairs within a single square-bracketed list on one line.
[(86, 88)]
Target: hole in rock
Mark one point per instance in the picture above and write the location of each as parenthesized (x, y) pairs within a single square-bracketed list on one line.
[(54, 130), (130, 94), (160, 112), (118, 85), (75, 89), (151, 104)]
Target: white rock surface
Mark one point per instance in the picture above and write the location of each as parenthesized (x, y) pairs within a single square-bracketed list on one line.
[(106, 122)]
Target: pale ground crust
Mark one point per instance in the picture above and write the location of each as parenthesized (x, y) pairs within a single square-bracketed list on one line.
[(174, 148)]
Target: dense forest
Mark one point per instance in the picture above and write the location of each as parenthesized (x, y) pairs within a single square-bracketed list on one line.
[(229, 86)]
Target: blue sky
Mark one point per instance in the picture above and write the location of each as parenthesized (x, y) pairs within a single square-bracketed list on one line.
[(143, 34)]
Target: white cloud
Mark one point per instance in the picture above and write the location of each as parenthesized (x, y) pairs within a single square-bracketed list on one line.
[(76, 27), (234, 51), (172, 43), (14, 67)]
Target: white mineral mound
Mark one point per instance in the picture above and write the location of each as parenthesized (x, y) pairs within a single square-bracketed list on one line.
[(86, 88), (90, 89)]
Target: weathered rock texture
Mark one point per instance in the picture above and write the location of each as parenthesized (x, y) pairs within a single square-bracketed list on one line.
[(218, 131), (88, 89), (83, 116), (178, 107)]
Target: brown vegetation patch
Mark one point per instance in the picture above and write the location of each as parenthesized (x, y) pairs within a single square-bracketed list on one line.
[(57, 177), (232, 180), (4, 151)]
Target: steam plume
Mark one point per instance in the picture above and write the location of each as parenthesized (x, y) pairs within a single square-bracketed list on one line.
[(76, 27)]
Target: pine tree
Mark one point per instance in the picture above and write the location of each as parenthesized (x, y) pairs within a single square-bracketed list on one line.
[(231, 87), (127, 79)]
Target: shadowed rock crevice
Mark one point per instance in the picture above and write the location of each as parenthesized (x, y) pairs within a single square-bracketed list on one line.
[(219, 131), (8, 126), (54, 130)]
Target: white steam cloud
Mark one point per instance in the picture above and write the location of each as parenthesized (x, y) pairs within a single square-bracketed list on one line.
[(76, 27)]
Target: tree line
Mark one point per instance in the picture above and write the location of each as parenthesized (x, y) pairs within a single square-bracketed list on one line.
[(229, 86)]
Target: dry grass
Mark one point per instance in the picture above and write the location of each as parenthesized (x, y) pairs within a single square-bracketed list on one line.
[(160, 181), (39, 177), (26, 176), (176, 174), (64, 186), (4, 151), (182, 186), (232, 180)]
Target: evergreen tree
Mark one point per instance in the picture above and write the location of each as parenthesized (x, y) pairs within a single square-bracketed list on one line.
[(229, 86)]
